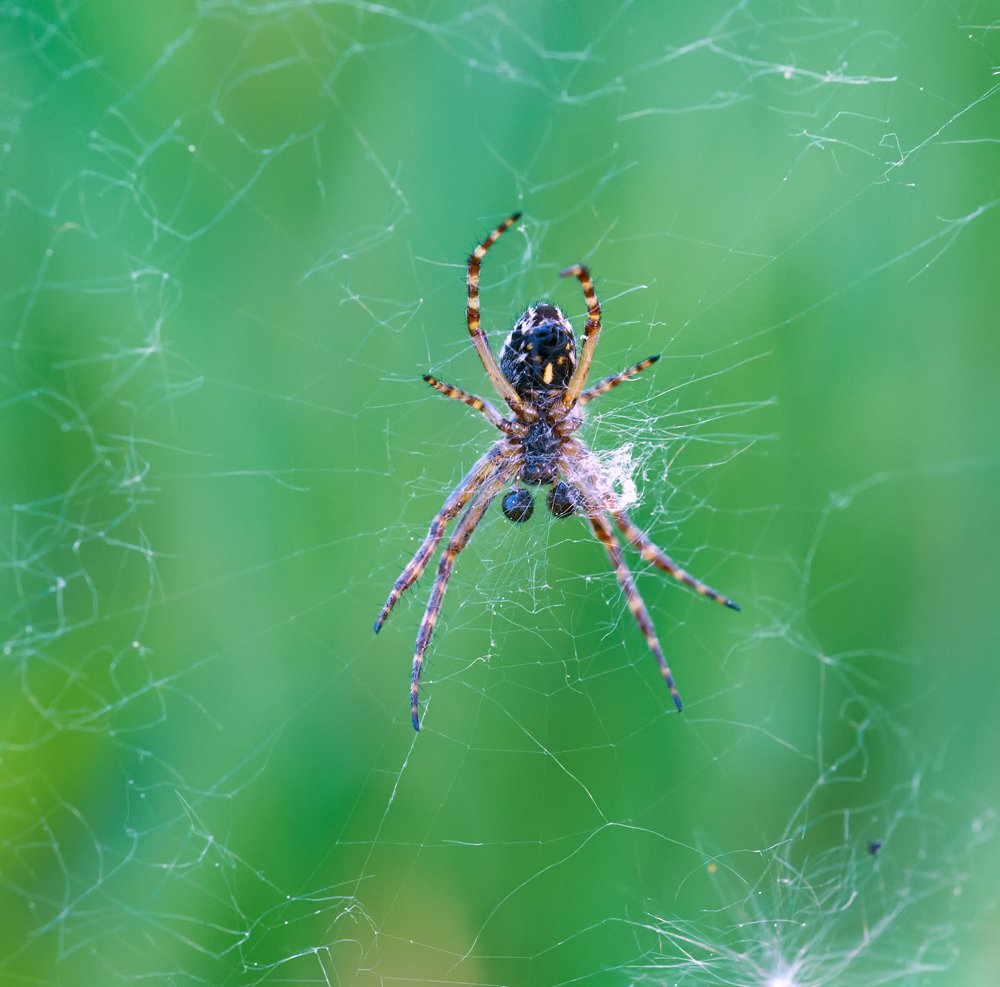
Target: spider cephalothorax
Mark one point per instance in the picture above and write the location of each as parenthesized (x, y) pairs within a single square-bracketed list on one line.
[(541, 378)]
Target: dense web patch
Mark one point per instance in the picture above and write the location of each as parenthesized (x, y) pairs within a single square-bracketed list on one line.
[(843, 915), (234, 238)]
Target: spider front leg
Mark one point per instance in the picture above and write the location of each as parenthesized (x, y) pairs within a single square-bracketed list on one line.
[(591, 331), (607, 538), (470, 520), (479, 340), (459, 498), (659, 558)]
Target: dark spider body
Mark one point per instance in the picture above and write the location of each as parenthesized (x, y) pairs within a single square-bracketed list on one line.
[(541, 448), (538, 357), (542, 381)]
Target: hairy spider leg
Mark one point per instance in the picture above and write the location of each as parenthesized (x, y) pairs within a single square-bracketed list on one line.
[(607, 538), (459, 497), (502, 385), (609, 383), (659, 558), (591, 331), (473, 401), (470, 520)]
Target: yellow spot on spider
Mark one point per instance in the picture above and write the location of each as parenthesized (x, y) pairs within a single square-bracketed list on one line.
[(547, 374)]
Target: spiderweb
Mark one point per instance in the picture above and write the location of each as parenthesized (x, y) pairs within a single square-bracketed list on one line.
[(234, 236)]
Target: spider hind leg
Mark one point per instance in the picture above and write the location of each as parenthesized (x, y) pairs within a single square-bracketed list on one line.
[(635, 602), (652, 553), (466, 526), (459, 497)]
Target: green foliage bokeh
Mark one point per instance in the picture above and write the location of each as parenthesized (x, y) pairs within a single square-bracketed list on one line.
[(234, 238)]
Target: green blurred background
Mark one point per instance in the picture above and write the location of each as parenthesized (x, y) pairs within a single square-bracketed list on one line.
[(233, 239)]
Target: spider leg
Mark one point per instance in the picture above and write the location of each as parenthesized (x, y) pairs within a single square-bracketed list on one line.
[(456, 501), (607, 538), (470, 520), (659, 558), (476, 403), (479, 340), (590, 333), (609, 383)]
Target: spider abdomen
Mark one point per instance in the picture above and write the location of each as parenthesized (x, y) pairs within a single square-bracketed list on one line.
[(539, 355), (542, 446)]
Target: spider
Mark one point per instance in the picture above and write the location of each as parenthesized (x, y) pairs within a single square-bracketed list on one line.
[(542, 381)]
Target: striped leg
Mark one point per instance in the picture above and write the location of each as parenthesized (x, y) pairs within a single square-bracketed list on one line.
[(479, 339), (460, 496), (590, 333), (476, 403), (458, 541), (659, 558), (607, 538), (609, 383)]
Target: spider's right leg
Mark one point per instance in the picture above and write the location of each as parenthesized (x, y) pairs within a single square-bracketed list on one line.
[(459, 498), (502, 385), (470, 521), (653, 553), (611, 545)]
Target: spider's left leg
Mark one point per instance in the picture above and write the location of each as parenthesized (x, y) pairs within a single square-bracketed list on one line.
[(659, 558), (473, 401), (590, 333), (459, 497), (470, 519), (479, 340), (607, 538)]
